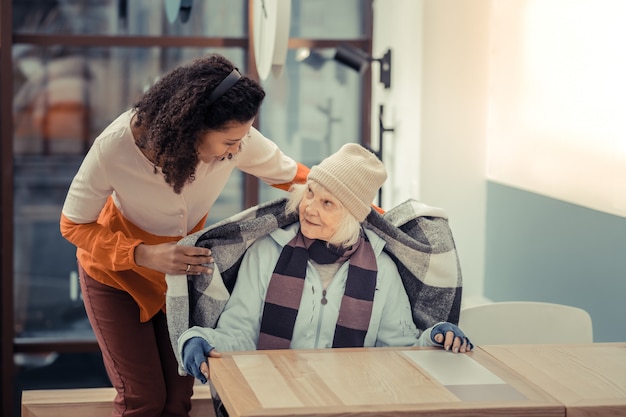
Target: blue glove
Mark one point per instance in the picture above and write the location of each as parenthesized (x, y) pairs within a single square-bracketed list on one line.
[(195, 352), (444, 328)]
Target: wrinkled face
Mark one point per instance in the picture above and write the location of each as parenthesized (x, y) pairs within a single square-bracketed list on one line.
[(218, 144), (320, 213)]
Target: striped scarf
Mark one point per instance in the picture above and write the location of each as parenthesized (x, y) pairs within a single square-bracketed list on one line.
[(285, 291)]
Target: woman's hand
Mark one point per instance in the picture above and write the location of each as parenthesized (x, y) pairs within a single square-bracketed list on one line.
[(195, 353), (174, 259), (451, 338), (204, 366)]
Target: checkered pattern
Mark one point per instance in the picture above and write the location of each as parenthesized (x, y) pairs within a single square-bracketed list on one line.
[(418, 238)]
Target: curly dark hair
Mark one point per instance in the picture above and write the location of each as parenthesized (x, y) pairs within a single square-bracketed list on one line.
[(174, 113)]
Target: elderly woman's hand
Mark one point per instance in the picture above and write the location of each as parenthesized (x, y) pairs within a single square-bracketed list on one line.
[(451, 338), (195, 353)]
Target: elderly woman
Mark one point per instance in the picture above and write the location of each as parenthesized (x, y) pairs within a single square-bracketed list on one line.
[(323, 281)]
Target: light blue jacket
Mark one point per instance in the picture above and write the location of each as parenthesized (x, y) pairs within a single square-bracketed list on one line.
[(238, 327)]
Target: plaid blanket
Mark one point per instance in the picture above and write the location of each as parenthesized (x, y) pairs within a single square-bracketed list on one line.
[(417, 236)]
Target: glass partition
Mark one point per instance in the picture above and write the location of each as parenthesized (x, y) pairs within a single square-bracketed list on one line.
[(214, 18), (329, 19), (312, 110), (63, 98), (64, 95)]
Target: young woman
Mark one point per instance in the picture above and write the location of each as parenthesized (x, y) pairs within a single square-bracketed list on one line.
[(149, 179)]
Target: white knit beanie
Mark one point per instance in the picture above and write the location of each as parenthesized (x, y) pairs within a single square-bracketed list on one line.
[(353, 175)]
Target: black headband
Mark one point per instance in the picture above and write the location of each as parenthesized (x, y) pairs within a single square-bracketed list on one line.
[(224, 86)]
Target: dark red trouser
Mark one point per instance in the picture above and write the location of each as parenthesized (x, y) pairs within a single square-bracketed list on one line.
[(138, 356)]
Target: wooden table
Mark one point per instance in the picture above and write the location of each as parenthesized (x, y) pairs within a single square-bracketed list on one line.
[(589, 379), (374, 381)]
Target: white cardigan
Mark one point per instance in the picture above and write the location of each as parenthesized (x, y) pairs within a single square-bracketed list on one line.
[(115, 166)]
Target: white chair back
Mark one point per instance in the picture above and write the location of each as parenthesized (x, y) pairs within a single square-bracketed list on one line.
[(525, 322)]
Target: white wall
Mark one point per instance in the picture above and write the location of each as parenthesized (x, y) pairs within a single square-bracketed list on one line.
[(438, 106)]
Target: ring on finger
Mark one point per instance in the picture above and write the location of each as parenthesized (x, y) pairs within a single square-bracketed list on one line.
[(188, 267)]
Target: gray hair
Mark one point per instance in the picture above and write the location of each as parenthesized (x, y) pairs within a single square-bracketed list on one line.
[(349, 230)]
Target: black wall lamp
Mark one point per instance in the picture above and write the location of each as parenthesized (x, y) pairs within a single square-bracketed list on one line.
[(358, 60)]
